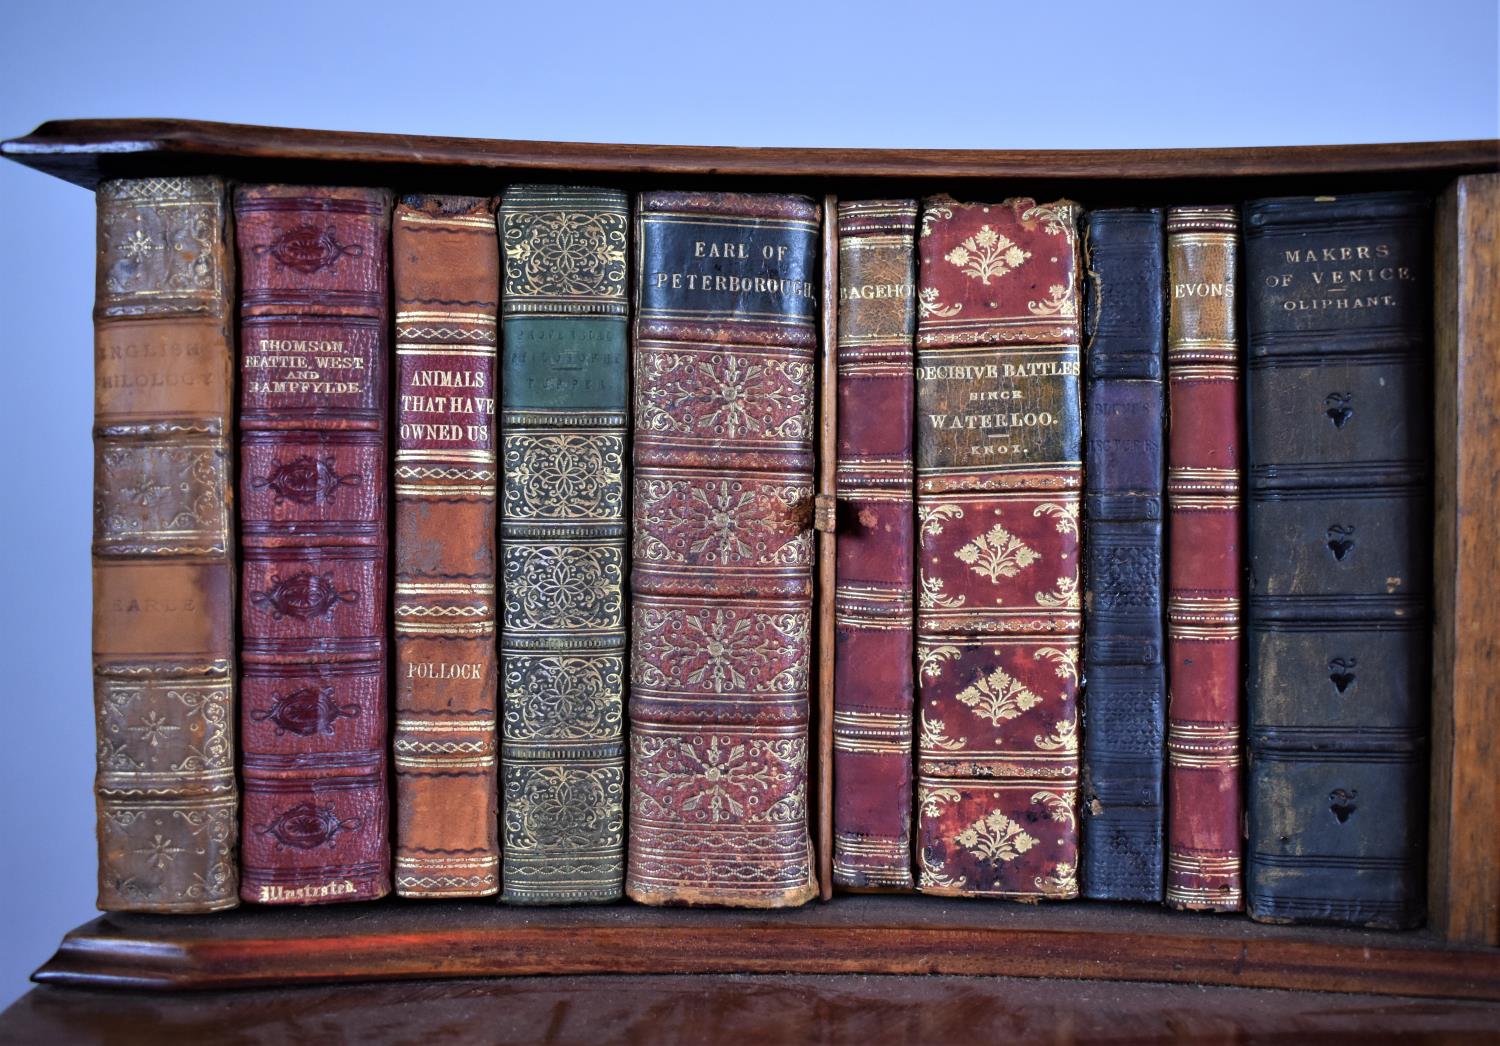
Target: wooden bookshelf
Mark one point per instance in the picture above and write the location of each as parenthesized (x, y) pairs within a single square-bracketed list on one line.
[(398, 940), (1455, 957)]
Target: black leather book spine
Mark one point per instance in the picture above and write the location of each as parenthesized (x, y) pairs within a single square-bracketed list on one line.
[(1125, 680), (1340, 539)]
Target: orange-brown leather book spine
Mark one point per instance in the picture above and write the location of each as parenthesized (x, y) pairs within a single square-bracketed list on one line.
[(445, 266), (1205, 517), (999, 478), (721, 573), (163, 548), (314, 316)]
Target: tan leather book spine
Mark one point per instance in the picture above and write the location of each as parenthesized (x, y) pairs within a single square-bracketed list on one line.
[(445, 265), (163, 548)]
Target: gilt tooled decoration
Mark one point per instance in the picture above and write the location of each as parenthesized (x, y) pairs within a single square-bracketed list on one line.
[(306, 480), (307, 826), (308, 248), (304, 595), (306, 711)]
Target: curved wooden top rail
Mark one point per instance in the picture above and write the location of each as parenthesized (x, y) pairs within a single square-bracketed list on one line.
[(83, 151)]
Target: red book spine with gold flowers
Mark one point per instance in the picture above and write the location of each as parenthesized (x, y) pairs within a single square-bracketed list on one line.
[(725, 336), (999, 478), (312, 485), (873, 660), (1205, 455)]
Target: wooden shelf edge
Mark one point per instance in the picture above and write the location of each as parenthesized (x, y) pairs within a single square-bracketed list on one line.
[(851, 935), (82, 151)]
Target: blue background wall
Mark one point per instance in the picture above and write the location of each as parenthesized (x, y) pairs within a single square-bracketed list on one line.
[(1034, 75)]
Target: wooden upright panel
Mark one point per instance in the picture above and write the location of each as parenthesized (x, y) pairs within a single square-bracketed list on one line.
[(1464, 854)]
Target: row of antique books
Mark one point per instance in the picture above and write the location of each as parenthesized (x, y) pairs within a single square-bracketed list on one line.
[(325, 670)]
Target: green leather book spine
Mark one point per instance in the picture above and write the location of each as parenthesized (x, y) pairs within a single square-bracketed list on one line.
[(562, 538)]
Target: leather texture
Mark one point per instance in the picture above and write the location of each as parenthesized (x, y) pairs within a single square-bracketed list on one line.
[(721, 569), (1205, 646), (563, 543), (163, 548), (445, 274), (875, 562), (314, 316), (1124, 708), (1340, 431), (999, 477)]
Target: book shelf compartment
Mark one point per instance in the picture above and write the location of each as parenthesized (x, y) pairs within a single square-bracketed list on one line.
[(1453, 957)]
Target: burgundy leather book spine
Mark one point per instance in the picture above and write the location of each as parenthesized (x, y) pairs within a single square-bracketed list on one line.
[(999, 478), (164, 547), (314, 308), (445, 271), (725, 338), (874, 659), (1204, 563)]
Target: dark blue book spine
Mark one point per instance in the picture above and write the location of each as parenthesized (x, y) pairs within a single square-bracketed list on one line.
[(1124, 675), (1337, 313)]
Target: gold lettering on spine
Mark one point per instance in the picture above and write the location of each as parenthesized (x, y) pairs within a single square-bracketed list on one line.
[(1201, 290), (1037, 368), (284, 894), (445, 748), (1337, 287), (998, 428), (437, 670), (304, 364), (875, 291), (710, 282)]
